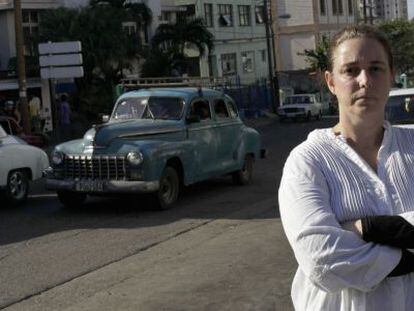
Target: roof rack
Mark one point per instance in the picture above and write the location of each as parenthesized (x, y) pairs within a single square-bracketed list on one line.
[(134, 83)]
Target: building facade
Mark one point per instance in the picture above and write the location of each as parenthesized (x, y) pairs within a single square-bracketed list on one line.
[(238, 28), (308, 21), (375, 11)]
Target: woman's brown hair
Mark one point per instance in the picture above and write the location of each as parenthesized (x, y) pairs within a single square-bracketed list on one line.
[(358, 31)]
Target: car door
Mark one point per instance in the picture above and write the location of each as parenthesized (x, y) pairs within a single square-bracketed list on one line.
[(227, 131), (202, 135)]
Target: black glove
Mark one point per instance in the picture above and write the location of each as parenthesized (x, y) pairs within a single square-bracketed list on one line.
[(389, 230)]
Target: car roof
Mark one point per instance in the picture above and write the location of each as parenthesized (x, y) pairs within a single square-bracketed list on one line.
[(397, 92), (186, 92)]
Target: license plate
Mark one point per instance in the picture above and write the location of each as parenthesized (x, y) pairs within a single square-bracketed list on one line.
[(89, 186), (291, 114)]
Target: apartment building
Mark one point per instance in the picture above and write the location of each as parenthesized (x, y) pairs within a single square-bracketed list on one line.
[(375, 11), (309, 20), (238, 27)]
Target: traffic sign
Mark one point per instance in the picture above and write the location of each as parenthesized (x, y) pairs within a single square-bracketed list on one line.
[(60, 47), (61, 72), (60, 60)]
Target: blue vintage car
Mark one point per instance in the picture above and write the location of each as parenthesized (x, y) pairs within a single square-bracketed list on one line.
[(156, 141)]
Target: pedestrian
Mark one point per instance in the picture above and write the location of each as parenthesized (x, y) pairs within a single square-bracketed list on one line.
[(346, 195), (11, 110), (65, 114), (34, 112)]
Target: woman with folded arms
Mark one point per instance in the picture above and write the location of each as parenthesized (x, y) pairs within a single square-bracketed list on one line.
[(346, 197)]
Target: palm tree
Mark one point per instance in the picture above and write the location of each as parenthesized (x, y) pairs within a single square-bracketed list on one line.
[(173, 39)]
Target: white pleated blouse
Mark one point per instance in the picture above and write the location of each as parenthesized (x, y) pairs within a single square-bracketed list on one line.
[(325, 182)]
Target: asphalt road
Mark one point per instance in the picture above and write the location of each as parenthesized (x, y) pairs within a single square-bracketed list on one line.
[(222, 248)]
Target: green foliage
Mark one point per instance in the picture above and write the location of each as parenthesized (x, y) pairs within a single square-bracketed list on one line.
[(318, 58), (401, 36), (170, 42), (106, 47)]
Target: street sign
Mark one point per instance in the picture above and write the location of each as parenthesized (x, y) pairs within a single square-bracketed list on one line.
[(60, 60), (60, 47), (61, 72)]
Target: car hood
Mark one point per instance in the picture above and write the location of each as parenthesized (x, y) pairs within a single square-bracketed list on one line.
[(102, 135)]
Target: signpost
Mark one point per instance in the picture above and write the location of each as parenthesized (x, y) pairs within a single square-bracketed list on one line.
[(59, 60)]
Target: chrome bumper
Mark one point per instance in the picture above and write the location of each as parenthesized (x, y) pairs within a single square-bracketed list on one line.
[(109, 186)]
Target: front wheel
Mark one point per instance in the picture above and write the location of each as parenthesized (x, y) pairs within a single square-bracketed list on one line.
[(17, 187), (245, 175), (71, 199), (169, 189)]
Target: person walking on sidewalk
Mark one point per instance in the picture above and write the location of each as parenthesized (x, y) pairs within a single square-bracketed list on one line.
[(64, 113), (346, 195)]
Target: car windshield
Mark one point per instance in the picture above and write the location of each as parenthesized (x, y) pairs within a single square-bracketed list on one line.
[(400, 109), (3, 134), (166, 108), (294, 100)]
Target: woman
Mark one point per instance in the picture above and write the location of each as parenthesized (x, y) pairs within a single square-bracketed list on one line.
[(338, 182)]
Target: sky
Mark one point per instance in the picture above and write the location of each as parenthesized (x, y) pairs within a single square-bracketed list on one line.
[(410, 8)]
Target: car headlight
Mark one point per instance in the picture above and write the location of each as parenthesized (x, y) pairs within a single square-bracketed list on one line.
[(135, 158), (57, 157)]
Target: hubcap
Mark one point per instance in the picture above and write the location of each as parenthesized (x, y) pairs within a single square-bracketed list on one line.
[(17, 185)]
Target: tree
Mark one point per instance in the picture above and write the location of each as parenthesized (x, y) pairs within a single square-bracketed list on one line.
[(107, 49), (318, 58), (171, 40), (400, 34)]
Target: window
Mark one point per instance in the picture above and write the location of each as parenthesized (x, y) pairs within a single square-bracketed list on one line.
[(129, 27), (232, 109), (244, 15), (220, 109), (208, 14), (30, 30), (322, 7), (263, 54), (247, 61), (225, 15), (258, 12), (337, 8), (350, 8), (228, 64), (200, 108)]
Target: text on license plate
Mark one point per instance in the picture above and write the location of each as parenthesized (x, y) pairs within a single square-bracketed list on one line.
[(89, 185)]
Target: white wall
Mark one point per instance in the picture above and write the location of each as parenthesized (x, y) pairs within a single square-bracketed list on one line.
[(290, 46)]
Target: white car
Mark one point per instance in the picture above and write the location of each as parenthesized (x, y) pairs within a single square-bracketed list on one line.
[(20, 163), (297, 106)]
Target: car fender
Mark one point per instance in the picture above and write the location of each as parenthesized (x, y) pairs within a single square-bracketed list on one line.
[(250, 143), (29, 157), (157, 153)]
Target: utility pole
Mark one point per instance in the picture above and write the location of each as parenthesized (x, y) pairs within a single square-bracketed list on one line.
[(274, 82), (21, 66)]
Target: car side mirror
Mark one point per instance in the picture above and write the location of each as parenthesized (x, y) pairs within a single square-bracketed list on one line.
[(104, 118), (192, 118)]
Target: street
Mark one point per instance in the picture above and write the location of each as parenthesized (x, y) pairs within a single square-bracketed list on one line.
[(221, 248)]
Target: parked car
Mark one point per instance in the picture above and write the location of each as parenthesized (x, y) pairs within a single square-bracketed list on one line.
[(297, 106), (156, 141), (11, 127), (20, 163), (400, 107)]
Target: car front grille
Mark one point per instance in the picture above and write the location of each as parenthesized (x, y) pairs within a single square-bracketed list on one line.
[(95, 167)]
